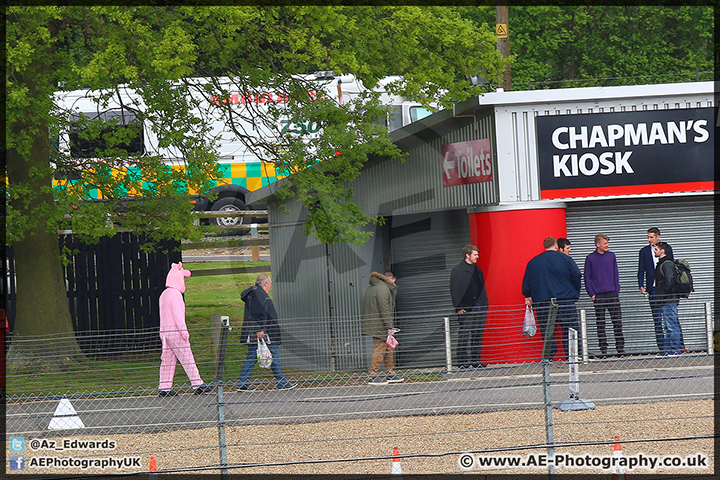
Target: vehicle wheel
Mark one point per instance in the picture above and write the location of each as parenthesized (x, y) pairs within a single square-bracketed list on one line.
[(228, 204)]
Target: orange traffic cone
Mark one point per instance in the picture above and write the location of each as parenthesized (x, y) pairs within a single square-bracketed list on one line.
[(153, 465), (396, 467), (617, 453)]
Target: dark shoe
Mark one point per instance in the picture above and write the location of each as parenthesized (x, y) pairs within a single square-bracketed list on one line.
[(203, 389), (245, 388), (394, 378), (622, 353), (289, 386), (376, 380), (167, 393)]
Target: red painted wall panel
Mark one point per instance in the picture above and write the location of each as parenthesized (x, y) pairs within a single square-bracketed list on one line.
[(507, 240)]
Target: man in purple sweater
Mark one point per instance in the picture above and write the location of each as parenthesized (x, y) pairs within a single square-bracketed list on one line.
[(602, 283)]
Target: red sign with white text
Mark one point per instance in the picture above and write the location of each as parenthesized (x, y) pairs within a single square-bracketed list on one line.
[(466, 162)]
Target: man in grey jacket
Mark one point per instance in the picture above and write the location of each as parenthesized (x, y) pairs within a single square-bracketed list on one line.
[(378, 310)]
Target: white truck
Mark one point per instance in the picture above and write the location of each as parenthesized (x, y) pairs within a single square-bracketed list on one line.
[(241, 169)]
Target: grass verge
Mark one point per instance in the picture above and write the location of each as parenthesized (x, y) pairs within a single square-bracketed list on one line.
[(137, 372)]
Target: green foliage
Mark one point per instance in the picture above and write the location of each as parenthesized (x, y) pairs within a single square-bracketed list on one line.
[(572, 46), (153, 50)]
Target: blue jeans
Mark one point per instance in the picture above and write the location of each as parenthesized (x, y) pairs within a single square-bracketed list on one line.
[(656, 310), (671, 326), (275, 366)]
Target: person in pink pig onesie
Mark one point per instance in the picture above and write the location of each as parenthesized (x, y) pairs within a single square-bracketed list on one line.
[(175, 336)]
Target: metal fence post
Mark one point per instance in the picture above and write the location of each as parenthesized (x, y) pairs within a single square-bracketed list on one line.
[(225, 320), (448, 345), (549, 437), (549, 336), (254, 249), (709, 328), (574, 402), (583, 334)]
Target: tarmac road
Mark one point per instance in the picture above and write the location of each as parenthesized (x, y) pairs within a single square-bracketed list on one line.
[(222, 258), (504, 387)]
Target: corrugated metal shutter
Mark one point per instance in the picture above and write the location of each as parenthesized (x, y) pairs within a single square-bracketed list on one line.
[(349, 273), (686, 223), (425, 248), (300, 260)]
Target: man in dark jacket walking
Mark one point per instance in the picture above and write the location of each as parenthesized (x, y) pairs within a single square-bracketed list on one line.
[(668, 300), (378, 310), (260, 322), (467, 289)]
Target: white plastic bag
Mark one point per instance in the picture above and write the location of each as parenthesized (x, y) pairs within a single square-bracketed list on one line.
[(391, 341), (529, 326), (263, 354)]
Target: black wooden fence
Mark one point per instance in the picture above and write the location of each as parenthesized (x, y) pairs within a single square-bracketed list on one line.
[(113, 289)]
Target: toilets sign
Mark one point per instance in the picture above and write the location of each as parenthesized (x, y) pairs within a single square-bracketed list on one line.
[(466, 162)]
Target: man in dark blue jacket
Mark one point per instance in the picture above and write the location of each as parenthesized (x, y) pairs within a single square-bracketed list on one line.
[(260, 322), (553, 275), (647, 261)]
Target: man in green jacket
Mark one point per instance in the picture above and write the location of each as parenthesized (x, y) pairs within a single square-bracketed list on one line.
[(378, 320)]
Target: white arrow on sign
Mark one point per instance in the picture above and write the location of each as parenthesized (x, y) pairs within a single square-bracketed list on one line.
[(448, 165)]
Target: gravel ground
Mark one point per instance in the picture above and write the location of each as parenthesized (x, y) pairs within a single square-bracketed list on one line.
[(419, 435)]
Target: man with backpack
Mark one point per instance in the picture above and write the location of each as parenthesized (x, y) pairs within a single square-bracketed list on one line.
[(665, 287)]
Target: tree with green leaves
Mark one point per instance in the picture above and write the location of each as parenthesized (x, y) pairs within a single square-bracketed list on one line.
[(156, 52), (576, 46)]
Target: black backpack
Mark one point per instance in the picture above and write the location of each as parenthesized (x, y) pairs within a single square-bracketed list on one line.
[(683, 279)]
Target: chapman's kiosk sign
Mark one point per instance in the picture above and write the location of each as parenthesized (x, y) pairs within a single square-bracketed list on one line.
[(625, 153)]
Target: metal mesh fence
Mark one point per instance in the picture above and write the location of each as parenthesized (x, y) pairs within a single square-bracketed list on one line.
[(335, 421)]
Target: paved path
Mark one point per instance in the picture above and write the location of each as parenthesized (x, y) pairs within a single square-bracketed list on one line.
[(495, 388), (222, 258)]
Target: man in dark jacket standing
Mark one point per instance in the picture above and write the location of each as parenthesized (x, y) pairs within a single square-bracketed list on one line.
[(467, 289), (665, 280), (260, 322), (553, 275), (378, 310)]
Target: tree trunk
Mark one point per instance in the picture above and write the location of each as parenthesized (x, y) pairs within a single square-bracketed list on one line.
[(43, 336)]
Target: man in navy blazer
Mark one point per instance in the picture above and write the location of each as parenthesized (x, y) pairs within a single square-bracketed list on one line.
[(646, 280)]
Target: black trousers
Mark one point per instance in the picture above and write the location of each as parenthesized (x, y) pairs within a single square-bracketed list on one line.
[(609, 301), (567, 318), (472, 326)]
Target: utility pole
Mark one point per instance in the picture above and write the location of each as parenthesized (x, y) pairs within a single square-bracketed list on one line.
[(503, 40)]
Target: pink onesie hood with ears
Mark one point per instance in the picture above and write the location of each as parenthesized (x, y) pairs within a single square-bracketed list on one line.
[(176, 277)]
